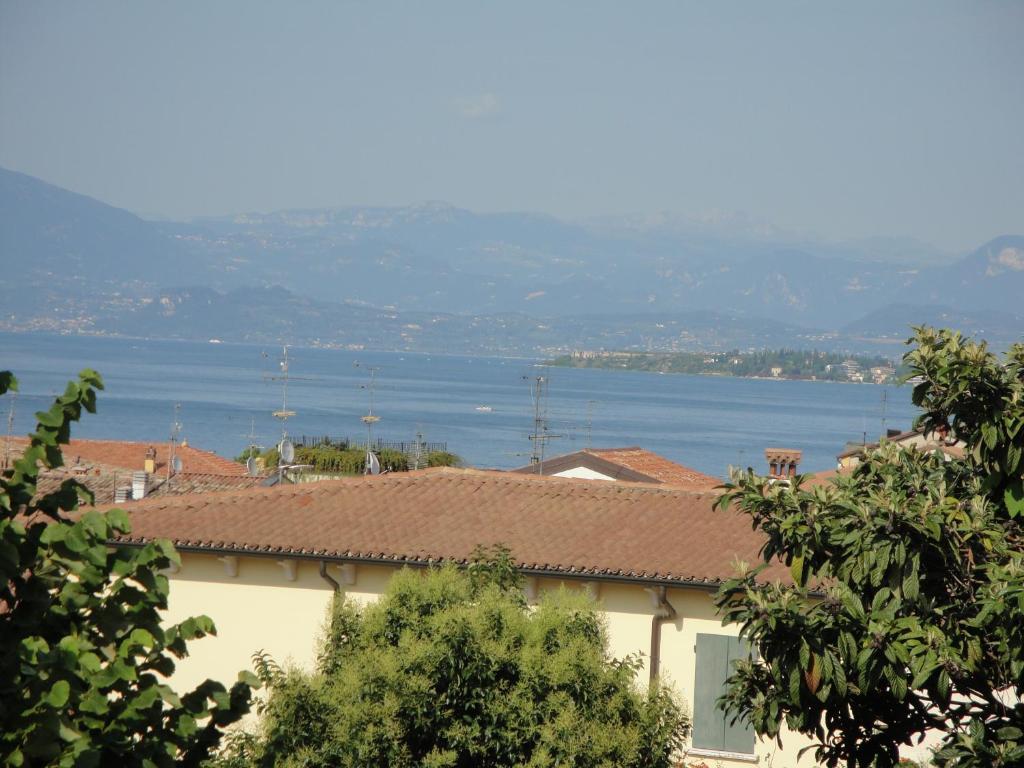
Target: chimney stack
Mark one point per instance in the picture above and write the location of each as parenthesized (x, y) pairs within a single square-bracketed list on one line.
[(149, 465), (140, 481), (782, 462)]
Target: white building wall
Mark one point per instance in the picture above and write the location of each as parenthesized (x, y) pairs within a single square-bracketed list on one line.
[(582, 473), (260, 609)]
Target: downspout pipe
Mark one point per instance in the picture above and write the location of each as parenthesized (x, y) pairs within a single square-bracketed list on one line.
[(327, 577), (664, 612)]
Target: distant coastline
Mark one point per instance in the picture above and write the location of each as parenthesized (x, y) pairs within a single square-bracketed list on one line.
[(771, 365)]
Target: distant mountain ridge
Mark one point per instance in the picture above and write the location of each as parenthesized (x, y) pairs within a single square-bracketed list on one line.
[(73, 263)]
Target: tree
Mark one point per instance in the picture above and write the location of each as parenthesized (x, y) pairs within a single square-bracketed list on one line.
[(906, 611), (83, 655), (450, 668)]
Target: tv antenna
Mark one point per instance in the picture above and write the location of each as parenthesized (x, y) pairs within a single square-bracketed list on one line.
[(540, 435), (251, 465), (285, 448), (10, 430), (173, 460), (885, 404), (590, 420), (372, 462)]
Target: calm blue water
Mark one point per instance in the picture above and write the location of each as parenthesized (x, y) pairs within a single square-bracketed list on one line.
[(704, 422)]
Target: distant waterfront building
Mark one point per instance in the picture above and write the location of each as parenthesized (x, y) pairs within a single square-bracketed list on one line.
[(914, 438)]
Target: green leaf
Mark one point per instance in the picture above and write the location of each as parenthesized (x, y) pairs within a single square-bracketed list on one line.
[(76, 539), (58, 694), (797, 569), (1014, 499)]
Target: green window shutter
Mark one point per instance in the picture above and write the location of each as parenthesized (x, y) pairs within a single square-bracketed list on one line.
[(715, 654), (739, 737)]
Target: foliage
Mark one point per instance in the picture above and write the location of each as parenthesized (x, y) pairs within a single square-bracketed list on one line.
[(83, 655), (352, 460), (450, 668), (919, 560)]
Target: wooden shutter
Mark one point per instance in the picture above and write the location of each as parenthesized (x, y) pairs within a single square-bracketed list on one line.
[(715, 654), (739, 737)]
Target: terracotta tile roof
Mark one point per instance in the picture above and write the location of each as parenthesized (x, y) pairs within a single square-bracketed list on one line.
[(634, 465), (102, 484), (658, 467), (122, 454), (552, 525), (103, 466), (824, 477), (193, 482)]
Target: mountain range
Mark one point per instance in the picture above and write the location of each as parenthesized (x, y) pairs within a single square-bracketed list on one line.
[(436, 277)]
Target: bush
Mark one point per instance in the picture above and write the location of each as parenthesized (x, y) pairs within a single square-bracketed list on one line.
[(450, 668)]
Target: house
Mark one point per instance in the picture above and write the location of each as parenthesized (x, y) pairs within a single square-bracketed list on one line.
[(264, 563), (632, 464), (913, 438), (118, 471)]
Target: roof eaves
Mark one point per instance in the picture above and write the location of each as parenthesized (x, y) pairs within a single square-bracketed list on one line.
[(423, 561)]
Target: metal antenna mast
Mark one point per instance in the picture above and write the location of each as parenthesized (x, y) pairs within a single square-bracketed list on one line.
[(370, 418), (372, 463), (253, 448), (540, 435), (285, 449), (173, 462), (590, 420), (284, 414), (10, 431)]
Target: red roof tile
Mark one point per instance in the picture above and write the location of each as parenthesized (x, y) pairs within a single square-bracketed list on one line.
[(658, 467), (122, 454), (556, 525)]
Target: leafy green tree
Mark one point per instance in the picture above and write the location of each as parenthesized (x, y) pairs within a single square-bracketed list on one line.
[(907, 609), (83, 654), (450, 668)]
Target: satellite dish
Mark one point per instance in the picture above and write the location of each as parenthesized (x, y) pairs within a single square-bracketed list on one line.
[(250, 466), (287, 451), (176, 464)]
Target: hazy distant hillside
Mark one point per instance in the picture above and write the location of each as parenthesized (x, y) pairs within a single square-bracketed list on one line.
[(75, 263), (999, 328), (433, 256), (990, 278), (271, 314), (46, 230)]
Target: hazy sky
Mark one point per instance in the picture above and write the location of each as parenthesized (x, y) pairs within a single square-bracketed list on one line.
[(845, 119)]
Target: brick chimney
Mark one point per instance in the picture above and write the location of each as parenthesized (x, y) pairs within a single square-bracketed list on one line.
[(782, 462), (149, 465)]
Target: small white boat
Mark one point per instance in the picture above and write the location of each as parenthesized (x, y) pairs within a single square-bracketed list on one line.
[(216, 341), (484, 408)]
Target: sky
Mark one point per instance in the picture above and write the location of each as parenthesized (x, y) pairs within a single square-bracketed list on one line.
[(843, 119)]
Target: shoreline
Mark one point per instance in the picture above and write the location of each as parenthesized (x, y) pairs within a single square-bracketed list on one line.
[(711, 374), (537, 361)]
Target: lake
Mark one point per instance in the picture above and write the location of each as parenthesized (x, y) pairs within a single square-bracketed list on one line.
[(224, 394)]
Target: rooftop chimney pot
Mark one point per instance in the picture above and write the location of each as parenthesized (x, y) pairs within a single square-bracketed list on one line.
[(782, 462)]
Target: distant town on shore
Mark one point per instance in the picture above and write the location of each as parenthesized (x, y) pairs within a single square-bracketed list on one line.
[(763, 364)]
